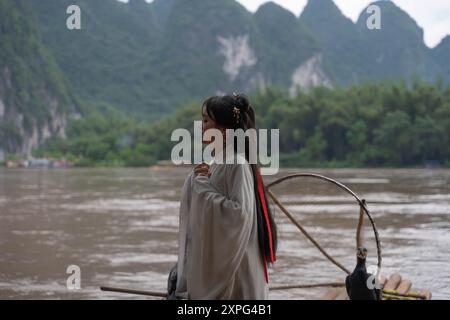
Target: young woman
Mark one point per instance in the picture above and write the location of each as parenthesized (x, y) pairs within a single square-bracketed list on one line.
[(227, 232)]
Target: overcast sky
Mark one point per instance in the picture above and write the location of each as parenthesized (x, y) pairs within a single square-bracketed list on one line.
[(432, 15)]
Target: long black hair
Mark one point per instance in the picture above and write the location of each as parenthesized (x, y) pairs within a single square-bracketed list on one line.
[(222, 110)]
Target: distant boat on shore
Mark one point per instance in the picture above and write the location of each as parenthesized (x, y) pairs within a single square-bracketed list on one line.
[(39, 163)]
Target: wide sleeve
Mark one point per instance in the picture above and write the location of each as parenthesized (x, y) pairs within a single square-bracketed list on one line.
[(221, 228), (186, 191)]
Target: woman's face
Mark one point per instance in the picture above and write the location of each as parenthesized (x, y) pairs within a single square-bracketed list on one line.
[(207, 123)]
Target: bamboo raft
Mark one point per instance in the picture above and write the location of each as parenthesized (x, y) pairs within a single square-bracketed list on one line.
[(393, 288)]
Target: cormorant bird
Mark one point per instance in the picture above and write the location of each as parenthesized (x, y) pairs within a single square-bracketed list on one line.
[(356, 283)]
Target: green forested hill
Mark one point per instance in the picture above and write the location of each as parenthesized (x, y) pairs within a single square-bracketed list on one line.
[(34, 96), (147, 59), (104, 60), (369, 125), (286, 43), (397, 50)]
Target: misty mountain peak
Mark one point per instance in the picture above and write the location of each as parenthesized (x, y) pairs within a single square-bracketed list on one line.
[(320, 7), (325, 19), (445, 43), (272, 10), (394, 21)]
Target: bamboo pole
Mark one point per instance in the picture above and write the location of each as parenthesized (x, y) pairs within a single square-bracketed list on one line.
[(138, 292), (308, 286), (395, 294), (307, 235), (359, 228), (164, 295), (362, 203), (387, 294)]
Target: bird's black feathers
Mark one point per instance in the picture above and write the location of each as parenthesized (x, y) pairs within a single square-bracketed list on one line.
[(357, 284)]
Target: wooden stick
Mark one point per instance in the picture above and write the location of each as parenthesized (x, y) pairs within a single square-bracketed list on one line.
[(393, 293), (139, 292), (359, 228), (163, 295), (307, 235), (307, 286), (388, 294), (362, 204), (395, 297)]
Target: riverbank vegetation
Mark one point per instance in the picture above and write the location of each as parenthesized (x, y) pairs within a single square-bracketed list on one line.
[(385, 124)]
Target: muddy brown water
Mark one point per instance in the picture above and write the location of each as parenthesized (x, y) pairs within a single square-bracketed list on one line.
[(120, 227)]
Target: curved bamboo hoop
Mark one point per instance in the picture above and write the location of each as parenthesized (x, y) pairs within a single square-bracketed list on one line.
[(363, 209)]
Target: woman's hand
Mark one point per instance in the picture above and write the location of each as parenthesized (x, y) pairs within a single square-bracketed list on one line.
[(202, 169)]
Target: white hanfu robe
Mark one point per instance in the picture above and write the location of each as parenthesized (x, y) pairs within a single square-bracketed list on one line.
[(219, 255)]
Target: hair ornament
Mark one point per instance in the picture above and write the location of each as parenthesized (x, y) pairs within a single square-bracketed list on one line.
[(236, 114)]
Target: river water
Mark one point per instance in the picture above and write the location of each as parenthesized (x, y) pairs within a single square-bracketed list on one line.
[(119, 226)]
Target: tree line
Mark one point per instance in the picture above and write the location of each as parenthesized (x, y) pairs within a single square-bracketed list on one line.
[(374, 124)]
